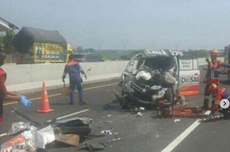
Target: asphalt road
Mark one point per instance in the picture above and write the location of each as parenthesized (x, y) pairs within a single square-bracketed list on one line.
[(146, 133)]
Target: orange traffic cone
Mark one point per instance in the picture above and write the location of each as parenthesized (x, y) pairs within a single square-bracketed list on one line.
[(45, 106)]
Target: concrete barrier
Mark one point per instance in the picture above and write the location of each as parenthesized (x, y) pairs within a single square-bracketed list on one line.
[(29, 78)]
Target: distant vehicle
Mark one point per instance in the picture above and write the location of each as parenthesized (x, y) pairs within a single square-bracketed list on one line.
[(41, 46), (87, 58)]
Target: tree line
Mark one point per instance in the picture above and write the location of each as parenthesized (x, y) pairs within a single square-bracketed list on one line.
[(7, 46)]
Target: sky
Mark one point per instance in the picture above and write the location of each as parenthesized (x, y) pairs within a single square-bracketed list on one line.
[(127, 24)]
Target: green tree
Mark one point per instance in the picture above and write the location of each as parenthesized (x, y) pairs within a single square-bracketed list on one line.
[(6, 42), (79, 49), (125, 57), (197, 53)]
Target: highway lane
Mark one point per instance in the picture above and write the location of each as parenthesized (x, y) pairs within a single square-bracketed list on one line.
[(146, 133), (209, 137)]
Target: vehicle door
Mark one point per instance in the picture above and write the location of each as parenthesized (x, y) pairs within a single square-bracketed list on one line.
[(188, 75)]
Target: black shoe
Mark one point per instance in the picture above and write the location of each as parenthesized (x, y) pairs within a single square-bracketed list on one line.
[(82, 103), (205, 106), (71, 103)]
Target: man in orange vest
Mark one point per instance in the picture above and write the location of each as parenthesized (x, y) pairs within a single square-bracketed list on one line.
[(212, 75), (8, 95), (219, 94)]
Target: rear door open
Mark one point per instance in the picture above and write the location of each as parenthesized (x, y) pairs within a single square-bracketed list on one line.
[(188, 75)]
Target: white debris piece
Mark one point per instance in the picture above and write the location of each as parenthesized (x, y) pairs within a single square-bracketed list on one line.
[(139, 114), (44, 136), (158, 136), (176, 120), (108, 115), (142, 109), (108, 132), (16, 127), (144, 75)]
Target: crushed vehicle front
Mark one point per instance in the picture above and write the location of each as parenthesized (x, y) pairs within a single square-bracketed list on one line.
[(149, 77)]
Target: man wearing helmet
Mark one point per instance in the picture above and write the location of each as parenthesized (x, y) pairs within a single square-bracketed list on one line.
[(212, 75), (219, 94)]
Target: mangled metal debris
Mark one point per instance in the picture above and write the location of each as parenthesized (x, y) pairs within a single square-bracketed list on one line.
[(212, 118), (108, 132), (37, 135), (18, 127), (114, 140), (91, 146), (43, 137), (69, 139), (147, 79)]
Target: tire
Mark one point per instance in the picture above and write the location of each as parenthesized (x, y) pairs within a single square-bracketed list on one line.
[(169, 96), (124, 102)]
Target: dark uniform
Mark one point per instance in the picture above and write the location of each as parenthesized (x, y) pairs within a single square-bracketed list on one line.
[(74, 69)]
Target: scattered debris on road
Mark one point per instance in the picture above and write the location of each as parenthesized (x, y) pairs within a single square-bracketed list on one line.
[(108, 132), (176, 120), (69, 139), (73, 132), (91, 146), (139, 114), (213, 118), (141, 109), (36, 135), (114, 140)]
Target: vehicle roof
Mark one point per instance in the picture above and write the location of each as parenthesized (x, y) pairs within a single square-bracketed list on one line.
[(25, 38), (153, 53)]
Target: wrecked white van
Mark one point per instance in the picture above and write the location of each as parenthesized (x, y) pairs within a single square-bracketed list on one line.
[(152, 76)]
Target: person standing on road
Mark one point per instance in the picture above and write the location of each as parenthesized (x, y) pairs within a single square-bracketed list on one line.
[(212, 75), (8, 95), (74, 69)]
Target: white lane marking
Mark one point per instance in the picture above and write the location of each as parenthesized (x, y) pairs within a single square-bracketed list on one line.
[(183, 135), (75, 113), (71, 114), (3, 134)]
